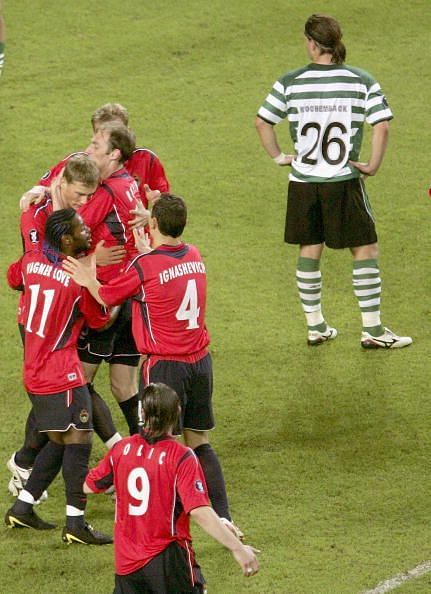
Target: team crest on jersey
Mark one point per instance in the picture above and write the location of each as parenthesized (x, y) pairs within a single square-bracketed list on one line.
[(84, 416), (199, 486), (34, 236)]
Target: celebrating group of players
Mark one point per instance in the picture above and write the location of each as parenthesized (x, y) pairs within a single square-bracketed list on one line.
[(94, 289)]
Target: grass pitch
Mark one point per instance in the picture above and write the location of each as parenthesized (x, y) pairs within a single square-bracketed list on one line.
[(325, 451)]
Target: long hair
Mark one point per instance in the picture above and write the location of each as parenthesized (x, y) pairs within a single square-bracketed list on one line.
[(159, 410), (325, 31)]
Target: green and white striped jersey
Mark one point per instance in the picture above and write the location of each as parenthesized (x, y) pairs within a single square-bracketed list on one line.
[(326, 106)]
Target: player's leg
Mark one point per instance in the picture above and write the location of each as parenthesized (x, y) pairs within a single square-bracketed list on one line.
[(103, 422), (124, 387), (123, 370), (77, 448), (304, 226), (48, 415), (362, 240), (21, 462)]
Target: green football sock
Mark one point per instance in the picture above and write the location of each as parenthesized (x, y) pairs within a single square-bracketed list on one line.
[(367, 287), (309, 283)]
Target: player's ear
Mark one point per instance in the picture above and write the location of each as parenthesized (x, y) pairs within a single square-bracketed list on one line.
[(67, 240)]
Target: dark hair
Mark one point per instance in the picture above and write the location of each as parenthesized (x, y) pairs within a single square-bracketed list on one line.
[(109, 112), (80, 168), (59, 223), (160, 410), (170, 212), (326, 33), (120, 137)]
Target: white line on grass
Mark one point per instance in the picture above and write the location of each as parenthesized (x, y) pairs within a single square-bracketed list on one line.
[(401, 578)]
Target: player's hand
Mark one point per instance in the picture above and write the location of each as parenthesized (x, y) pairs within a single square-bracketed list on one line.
[(286, 160), (142, 241), (151, 195), (142, 216), (33, 196), (82, 271), (365, 168), (245, 555), (109, 255)]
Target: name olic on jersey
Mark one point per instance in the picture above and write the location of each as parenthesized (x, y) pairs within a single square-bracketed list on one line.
[(57, 274), (138, 452), (181, 270)]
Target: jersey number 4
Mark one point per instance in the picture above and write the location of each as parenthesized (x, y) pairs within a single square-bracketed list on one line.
[(189, 310)]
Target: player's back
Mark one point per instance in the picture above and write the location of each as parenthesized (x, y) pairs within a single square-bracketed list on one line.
[(169, 313), (149, 514), (52, 325)]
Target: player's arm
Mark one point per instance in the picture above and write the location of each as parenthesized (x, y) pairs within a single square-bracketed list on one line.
[(379, 142), (113, 293), (210, 522), (100, 477), (14, 275), (268, 140)]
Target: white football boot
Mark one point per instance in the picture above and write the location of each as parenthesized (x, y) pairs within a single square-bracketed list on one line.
[(388, 340), (315, 337), (19, 479)]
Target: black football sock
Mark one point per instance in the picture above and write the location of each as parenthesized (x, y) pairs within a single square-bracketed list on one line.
[(102, 418), (130, 412), (45, 468), (214, 479), (75, 469), (34, 441)]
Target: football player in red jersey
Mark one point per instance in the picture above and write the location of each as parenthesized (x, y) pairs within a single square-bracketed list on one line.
[(77, 182), (143, 165), (55, 309), (168, 290), (159, 484), (108, 215)]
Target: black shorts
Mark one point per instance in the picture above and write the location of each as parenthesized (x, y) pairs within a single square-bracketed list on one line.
[(168, 573), (193, 382), (335, 213), (114, 345), (59, 412)]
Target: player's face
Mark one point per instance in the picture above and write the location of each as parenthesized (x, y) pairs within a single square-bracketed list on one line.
[(98, 150), (75, 194), (81, 235)]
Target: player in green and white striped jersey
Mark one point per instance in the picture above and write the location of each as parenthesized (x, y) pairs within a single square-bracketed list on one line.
[(326, 104)]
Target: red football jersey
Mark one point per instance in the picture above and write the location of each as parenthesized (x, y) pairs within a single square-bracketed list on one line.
[(55, 309), (107, 214), (32, 226), (33, 223), (168, 286), (144, 166), (156, 485)]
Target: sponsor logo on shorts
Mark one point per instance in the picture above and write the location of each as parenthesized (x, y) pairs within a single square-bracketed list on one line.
[(34, 235), (199, 486), (84, 416)]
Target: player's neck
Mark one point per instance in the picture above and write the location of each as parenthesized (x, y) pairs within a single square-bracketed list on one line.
[(160, 239), (110, 169)]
